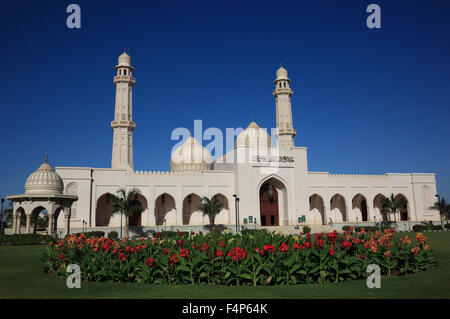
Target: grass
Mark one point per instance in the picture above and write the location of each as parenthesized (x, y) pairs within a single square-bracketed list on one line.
[(21, 276)]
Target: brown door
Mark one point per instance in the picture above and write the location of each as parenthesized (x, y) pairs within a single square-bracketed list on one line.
[(135, 220), (268, 196)]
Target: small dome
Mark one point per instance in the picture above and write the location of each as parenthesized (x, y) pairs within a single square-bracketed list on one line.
[(282, 74), (44, 181), (124, 60), (190, 156), (254, 136)]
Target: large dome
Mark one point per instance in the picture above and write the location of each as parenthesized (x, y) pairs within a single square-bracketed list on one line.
[(190, 156), (44, 181), (254, 136)]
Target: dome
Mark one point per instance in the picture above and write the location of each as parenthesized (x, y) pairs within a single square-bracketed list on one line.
[(190, 156), (124, 60), (282, 74), (254, 136), (44, 181)]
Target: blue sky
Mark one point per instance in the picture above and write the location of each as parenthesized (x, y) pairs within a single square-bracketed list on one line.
[(365, 101)]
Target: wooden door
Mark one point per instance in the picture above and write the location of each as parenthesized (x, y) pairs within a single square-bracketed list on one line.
[(268, 205)]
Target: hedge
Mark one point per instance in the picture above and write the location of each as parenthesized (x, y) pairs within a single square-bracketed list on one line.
[(26, 239)]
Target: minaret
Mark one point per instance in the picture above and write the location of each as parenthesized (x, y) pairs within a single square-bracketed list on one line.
[(123, 125), (282, 93)]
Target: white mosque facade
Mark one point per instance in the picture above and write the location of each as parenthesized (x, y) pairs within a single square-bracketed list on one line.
[(254, 181)]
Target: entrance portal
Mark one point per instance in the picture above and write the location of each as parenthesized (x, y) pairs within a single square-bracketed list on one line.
[(268, 196)]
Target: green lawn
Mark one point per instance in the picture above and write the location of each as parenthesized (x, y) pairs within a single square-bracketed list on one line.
[(21, 276)]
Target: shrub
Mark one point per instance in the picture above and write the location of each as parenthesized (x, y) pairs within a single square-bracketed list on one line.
[(26, 239), (306, 229), (256, 258), (447, 226), (417, 228), (91, 234), (113, 235)]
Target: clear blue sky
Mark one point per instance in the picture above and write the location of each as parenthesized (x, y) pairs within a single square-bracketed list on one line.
[(365, 101)]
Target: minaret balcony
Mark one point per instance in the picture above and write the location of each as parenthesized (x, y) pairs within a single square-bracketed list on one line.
[(128, 124), (124, 78), (286, 131), (278, 91)]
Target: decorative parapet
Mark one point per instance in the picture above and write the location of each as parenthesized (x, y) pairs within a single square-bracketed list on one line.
[(358, 175), (163, 173)]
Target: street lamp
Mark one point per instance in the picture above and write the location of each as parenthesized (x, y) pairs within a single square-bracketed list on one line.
[(236, 209)]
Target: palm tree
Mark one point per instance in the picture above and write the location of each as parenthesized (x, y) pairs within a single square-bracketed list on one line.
[(125, 204), (210, 208), (443, 208), (391, 206)]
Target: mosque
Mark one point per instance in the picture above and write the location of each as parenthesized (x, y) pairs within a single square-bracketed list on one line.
[(258, 183)]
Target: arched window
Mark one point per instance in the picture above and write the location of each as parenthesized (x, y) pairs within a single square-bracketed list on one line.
[(72, 189)]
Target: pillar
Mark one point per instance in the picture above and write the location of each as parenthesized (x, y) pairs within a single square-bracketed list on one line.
[(14, 227), (325, 215), (28, 223), (50, 224), (67, 220)]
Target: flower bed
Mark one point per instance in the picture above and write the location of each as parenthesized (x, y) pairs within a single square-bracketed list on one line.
[(259, 258)]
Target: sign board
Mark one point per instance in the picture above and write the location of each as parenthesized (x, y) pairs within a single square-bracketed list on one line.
[(302, 219)]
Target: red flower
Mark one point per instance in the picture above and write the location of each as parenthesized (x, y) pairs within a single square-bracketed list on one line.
[(361, 256), (157, 235), (237, 253), (415, 250), (154, 240), (61, 257), (347, 245), (184, 253), (179, 234), (122, 257), (283, 248), (296, 246), (205, 246), (174, 259), (149, 261), (308, 244), (221, 244), (219, 253), (268, 247), (166, 251), (332, 251)]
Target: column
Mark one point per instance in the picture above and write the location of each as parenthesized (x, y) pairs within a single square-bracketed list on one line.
[(14, 227), (67, 220), (50, 224), (28, 223), (325, 215)]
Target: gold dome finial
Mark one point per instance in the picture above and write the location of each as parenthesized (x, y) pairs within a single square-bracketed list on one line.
[(45, 158)]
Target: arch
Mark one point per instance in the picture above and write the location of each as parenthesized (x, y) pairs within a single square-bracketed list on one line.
[(39, 218), (136, 219), (21, 218), (190, 206), (164, 208), (273, 212), (72, 189), (359, 206), (223, 216), (378, 207), (103, 210), (338, 211), (404, 210), (317, 210)]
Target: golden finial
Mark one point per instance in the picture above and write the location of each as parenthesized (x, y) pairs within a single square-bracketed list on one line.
[(45, 158)]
